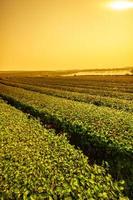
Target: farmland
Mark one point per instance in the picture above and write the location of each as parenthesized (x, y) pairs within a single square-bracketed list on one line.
[(96, 115)]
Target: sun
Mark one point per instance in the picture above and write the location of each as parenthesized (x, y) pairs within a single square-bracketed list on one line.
[(120, 5)]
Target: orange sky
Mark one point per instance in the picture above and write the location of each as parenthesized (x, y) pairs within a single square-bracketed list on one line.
[(64, 34)]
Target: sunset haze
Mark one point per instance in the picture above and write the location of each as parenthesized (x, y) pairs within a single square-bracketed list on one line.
[(64, 34)]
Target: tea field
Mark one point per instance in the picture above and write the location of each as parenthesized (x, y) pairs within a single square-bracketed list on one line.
[(66, 137)]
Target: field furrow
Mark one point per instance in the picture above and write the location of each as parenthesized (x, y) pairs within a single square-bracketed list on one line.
[(37, 164), (106, 130), (120, 104)]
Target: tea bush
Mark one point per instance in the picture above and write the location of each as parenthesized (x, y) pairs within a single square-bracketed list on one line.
[(37, 164)]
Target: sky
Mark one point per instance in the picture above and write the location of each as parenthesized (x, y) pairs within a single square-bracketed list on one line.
[(64, 34)]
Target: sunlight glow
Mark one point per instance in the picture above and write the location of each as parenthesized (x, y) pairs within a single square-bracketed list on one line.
[(121, 5), (65, 34)]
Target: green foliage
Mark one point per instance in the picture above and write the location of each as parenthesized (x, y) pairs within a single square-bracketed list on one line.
[(37, 164), (96, 99), (120, 87), (108, 127), (106, 130)]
